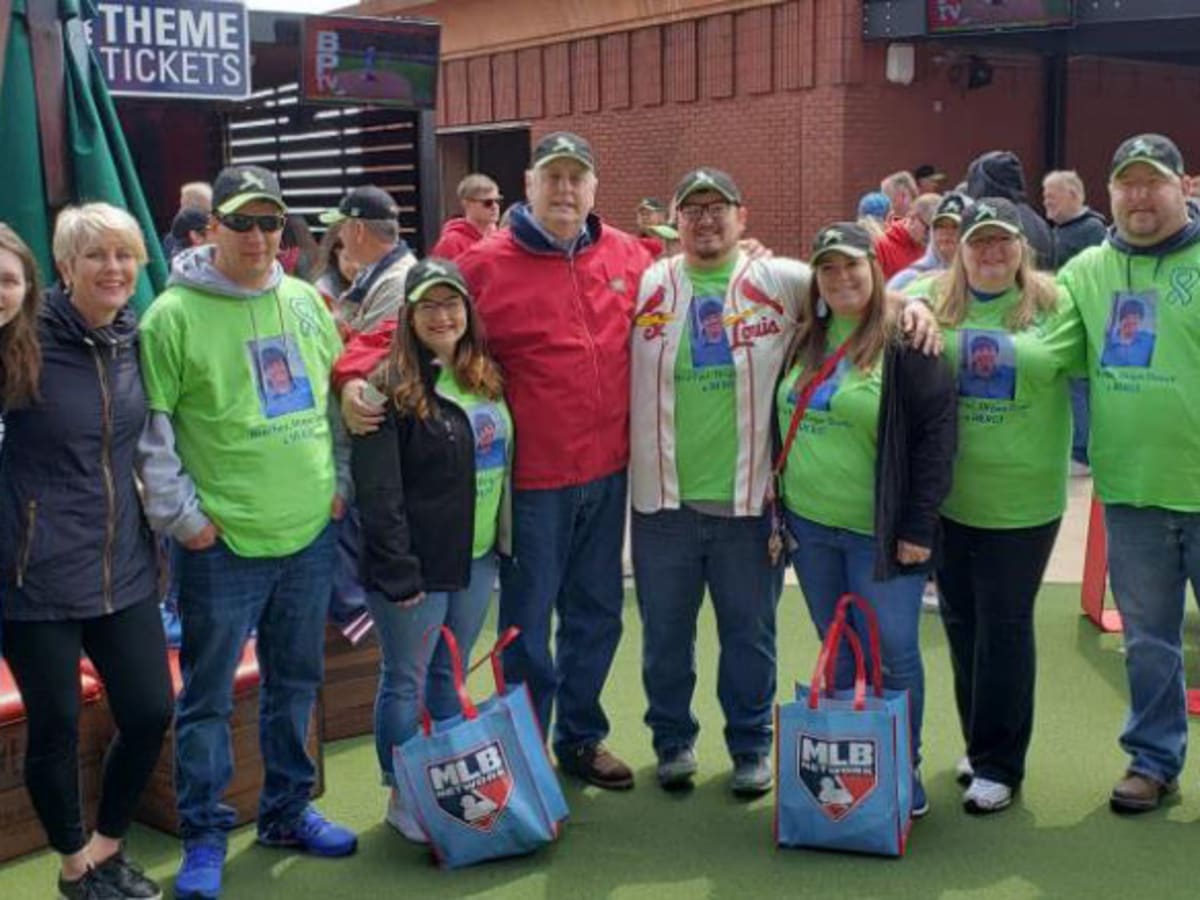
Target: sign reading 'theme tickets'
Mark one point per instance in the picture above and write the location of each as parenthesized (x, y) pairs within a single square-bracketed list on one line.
[(173, 48)]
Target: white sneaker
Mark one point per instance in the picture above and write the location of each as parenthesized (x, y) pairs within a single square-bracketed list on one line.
[(929, 597), (963, 773), (404, 821), (984, 796)]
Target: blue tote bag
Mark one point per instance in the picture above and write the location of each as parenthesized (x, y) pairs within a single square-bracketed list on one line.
[(844, 758), (480, 784)]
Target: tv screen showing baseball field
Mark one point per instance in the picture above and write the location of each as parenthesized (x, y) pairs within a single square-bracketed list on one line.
[(987, 15), (372, 61)]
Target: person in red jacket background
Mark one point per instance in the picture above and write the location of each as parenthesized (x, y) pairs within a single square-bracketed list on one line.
[(905, 238), (480, 199), (555, 291)]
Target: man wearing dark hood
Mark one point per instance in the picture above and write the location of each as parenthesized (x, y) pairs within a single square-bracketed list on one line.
[(998, 173)]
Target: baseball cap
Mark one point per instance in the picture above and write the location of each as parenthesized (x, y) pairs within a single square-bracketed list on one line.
[(927, 170), (652, 203), (706, 179), (433, 271), (952, 207), (991, 211), (563, 145), (666, 232), (875, 204), (238, 185), (187, 220), (1155, 149), (849, 238), (365, 202)]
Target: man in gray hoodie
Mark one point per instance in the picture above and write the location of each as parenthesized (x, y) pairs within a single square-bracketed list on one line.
[(236, 359)]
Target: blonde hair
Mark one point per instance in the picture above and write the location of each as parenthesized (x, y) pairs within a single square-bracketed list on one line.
[(926, 204), (901, 179), (1039, 292), (196, 194), (1068, 179), (77, 227), (475, 183)]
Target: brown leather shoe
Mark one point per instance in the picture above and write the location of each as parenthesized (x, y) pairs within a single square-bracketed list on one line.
[(595, 765), (1138, 793)]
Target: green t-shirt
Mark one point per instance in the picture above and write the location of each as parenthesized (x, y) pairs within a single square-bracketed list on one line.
[(246, 384), (706, 394), (829, 476), (1142, 317), (492, 426), (1014, 413)]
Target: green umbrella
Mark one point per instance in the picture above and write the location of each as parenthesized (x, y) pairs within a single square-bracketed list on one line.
[(60, 133)]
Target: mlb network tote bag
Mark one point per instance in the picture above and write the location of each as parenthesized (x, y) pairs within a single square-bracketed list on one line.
[(481, 784), (844, 758)]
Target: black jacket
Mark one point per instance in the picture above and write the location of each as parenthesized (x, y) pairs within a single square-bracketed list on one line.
[(414, 484), (73, 541), (914, 461), (1071, 238), (999, 174)]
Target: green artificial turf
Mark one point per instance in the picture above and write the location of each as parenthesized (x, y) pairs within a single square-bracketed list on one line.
[(1059, 840)]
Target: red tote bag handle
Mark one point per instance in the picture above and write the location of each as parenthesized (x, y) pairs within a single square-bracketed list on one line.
[(873, 641), (495, 655), (823, 672), (460, 682)]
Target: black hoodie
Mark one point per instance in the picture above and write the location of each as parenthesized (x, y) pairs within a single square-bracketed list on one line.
[(1075, 235), (999, 174), (73, 541)]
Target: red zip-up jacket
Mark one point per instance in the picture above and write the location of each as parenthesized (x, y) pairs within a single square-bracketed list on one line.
[(458, 235), (897, 250), (559, 327)]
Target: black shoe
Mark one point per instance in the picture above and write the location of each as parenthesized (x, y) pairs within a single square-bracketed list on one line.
[(595, 765), (122, 873), (90, 887)]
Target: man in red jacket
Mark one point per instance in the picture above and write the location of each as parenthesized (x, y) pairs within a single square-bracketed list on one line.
[(556, 292), (480, 199), (903, 243)]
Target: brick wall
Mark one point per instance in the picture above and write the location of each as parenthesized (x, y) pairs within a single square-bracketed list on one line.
[(788, 98)]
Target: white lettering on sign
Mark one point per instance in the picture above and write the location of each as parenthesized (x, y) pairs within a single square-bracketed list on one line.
[(185, 47), (327, 60)]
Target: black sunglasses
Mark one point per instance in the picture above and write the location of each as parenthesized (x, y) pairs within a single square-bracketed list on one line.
[(489, 202), (242, 223)]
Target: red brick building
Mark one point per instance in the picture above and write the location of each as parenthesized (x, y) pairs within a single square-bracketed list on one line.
[(791, 97)]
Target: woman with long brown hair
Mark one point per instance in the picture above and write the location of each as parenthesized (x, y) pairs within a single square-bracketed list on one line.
[(430, 486), (20, 302), (866, 463)]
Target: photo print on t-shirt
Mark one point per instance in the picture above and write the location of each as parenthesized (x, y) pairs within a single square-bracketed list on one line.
[(1130, 334), (987, 364), (280, 377), (823, 395), (710, 344), (491, 442)]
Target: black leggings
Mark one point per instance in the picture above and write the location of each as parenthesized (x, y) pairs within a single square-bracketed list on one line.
[(989, 579), (129, 651)]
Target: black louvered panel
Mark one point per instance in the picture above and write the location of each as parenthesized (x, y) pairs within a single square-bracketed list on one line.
[(320, 152)]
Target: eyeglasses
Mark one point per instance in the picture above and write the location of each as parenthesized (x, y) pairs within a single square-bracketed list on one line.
[(694, 212), (428, 308), (489, 202), (242, 223)]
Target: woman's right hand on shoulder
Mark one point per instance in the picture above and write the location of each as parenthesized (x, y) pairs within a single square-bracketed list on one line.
[(360, 415)]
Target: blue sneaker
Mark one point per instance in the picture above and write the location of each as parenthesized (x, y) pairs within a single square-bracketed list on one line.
[(920, 802), (199, 875), (310, 832)]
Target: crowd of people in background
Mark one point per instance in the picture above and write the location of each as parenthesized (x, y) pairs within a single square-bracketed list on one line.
[(289, 415)]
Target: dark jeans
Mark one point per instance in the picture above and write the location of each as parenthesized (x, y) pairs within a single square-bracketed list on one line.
[(989, 579), (677, 553), (222, 597), (128, 650), (566, 559)]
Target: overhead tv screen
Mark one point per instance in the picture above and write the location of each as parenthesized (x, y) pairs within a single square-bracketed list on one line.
[(347, 59), (949, 16)]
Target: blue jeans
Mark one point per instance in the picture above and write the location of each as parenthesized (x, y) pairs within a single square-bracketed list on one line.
[(1152, 554), (676, 554), (1079, 420), (222, 598), (830, 562), (567, 545), (415, 659)]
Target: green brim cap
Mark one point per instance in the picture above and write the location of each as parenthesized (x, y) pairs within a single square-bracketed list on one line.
[(706, 179), (991, 212), (430, 272), (848, 238), (1155, 150)]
